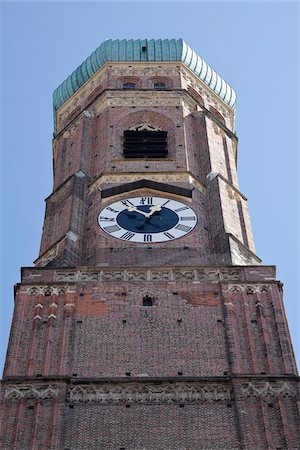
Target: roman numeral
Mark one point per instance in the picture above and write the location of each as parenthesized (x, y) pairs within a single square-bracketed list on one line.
[(182, 208), (183, 227), (106, 219), (112, 229), (146, 200), (127, 202), (112, 210), (147, 237), (169, 235), (127, 236), (188, 218)]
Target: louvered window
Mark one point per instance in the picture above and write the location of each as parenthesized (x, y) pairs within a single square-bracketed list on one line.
[(145, 144)]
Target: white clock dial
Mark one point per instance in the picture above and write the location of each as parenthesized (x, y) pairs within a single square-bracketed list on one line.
[(147, 219)]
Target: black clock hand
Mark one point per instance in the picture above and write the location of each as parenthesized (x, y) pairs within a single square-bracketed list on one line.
[(147, 222)]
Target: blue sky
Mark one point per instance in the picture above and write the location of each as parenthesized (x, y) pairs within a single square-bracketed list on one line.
[(253, 46)]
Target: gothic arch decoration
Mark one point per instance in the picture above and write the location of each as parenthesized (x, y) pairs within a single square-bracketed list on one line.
[(128, 118), (217, 115), (151, 393), (128, 79), (161, 79), (196, 96), (250, 289), (47, 290), (144, 126), (32, 391), (95, 93), (266, 390)]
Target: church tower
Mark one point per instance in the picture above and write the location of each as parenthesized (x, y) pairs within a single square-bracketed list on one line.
[(147, 321)]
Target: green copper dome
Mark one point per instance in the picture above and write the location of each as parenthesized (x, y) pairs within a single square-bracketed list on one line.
[(140, 50)]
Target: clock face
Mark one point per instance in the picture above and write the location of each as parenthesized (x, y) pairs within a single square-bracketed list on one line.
[(147, 219)]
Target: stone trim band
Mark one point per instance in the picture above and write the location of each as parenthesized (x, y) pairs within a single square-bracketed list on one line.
[(150, 392)]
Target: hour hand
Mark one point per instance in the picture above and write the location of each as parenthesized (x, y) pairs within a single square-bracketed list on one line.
[(154, 209), (133, 208)]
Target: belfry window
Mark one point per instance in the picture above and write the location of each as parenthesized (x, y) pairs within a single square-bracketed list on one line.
[(147, 301), (128, 85), (159, 85), (145, 141)]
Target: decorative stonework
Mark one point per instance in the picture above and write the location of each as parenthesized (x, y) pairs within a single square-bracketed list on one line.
[(145, 71), (47, 290), (142, 101), (48, 256), (189, 274), (266, 389), (249, 289), (150, 393), (144, 127), (19, 391)]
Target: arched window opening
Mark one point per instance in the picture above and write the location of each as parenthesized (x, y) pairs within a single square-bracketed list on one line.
[(159, 85), (128, 85), (147, 301)]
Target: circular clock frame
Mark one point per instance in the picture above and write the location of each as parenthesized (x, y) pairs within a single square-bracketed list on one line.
[(147, 219)]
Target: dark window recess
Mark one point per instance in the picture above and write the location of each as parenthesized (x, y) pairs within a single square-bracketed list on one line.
[(145, 144), (159, 85), (128, 85), (147, 301)]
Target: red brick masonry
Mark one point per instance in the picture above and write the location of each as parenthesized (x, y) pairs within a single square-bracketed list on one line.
[(195, 370)]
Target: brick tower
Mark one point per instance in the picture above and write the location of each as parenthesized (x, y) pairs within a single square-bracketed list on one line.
[(147, 321)]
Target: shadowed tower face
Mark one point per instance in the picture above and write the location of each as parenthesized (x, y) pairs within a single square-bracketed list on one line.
[(147, 321)]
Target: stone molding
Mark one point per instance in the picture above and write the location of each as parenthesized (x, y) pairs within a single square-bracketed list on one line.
[(193, 275), (159, 177), (148, 392), (20, 391), (266, 389), (151, 393)]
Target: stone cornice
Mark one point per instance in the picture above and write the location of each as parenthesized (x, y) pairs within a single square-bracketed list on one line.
[(241, 275)]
